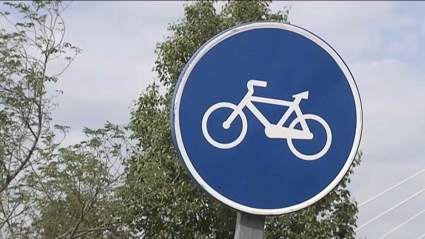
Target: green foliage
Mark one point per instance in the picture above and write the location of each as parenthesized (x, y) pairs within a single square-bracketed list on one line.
[(73, 190), (332, 217), (27, 48), (25, 53), (164, 202), (48, 191)]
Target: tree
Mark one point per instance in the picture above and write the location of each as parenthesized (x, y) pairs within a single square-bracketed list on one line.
[(73, 192), (33, 40), (166, 204), (46, 190)]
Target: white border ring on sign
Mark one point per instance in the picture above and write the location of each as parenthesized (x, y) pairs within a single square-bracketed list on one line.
[(176, 123)]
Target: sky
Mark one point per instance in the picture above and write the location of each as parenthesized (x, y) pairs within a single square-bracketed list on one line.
[(381, 42)]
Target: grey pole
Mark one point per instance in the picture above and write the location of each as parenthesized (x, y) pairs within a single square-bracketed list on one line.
[(249, 226)]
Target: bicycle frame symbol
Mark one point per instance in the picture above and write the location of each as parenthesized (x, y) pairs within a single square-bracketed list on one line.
[(273, 131)]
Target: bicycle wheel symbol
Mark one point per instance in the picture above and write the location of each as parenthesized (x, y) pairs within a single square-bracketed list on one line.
[(207, 134), (328, 138)]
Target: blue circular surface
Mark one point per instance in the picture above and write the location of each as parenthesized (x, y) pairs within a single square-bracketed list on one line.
[(261, 175)]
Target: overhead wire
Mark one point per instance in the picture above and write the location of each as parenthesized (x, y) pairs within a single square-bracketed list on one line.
[(392, 208), (402, 224), (422, 237), (391, 188)]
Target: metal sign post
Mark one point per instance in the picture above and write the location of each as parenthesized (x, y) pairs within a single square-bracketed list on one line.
[(249, 226), (266, 118)]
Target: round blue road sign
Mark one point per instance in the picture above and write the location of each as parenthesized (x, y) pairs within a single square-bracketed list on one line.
[(266, 118)]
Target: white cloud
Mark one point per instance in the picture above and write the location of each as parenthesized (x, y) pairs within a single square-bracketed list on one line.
[(354, 29), (118, 42), (393, 95), (422, 29), (406, 44)]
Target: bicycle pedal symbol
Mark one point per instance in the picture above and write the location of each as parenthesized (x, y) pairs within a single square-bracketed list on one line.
[(273, 131)]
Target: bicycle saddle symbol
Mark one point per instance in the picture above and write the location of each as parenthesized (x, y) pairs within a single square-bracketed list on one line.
[(273, 131)]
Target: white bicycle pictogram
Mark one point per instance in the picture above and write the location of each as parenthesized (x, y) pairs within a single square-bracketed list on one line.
[(272, 131)]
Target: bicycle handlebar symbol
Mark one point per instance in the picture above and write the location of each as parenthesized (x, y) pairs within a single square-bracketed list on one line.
[(273, 131)]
